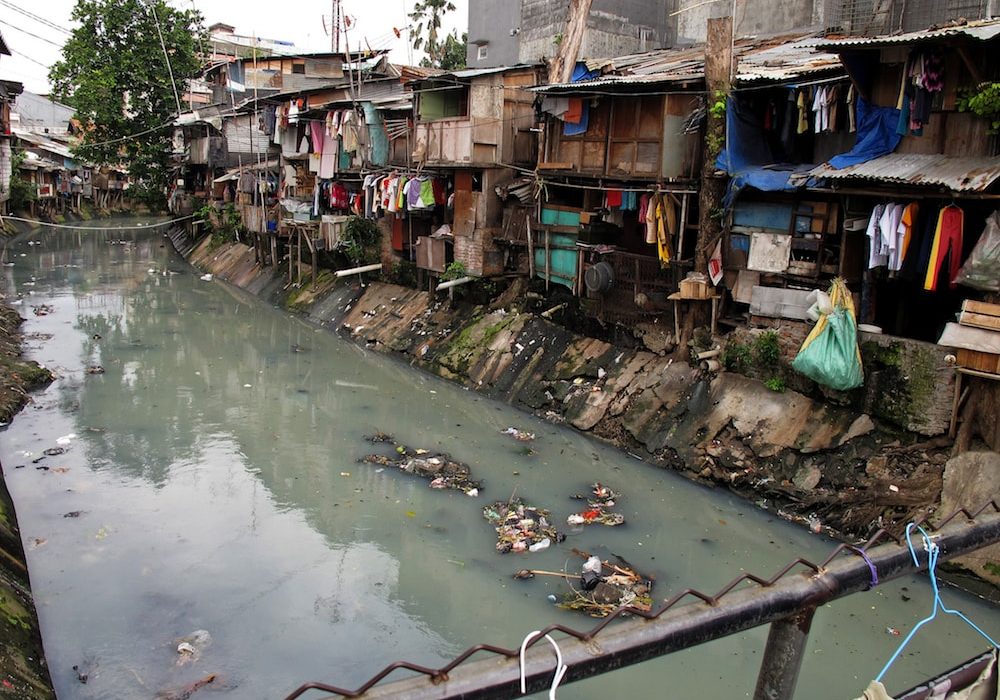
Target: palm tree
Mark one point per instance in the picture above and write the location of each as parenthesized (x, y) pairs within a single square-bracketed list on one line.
[(427, 14)]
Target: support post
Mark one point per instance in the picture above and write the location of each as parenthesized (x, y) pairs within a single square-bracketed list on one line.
[(786, 645)]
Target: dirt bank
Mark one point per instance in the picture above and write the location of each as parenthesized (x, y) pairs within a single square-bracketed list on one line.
[(827, 466)]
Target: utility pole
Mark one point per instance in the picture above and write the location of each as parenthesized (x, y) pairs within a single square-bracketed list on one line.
[(718, 81)]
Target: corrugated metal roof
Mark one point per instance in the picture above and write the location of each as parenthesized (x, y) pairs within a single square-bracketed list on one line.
[(780, 59), (983, 30), (957, 173)]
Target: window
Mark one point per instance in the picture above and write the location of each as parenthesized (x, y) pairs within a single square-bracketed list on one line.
[(483, 53), (441, 101), (299, 68)]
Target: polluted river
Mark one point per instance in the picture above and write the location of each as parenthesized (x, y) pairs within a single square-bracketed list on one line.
[(202, 511)]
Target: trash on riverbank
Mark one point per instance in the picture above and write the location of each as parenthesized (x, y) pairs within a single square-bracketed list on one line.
[(599, 503), (521, 527), (439, 467), (95, 369), (521, 435)]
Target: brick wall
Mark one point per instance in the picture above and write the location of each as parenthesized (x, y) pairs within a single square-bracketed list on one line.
[(791, 334), (478, 253)]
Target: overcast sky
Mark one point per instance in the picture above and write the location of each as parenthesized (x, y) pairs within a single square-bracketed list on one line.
[(35, 43)]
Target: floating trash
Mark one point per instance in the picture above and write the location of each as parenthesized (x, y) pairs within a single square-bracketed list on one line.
[(520, 527), (521, 435), (607, 586), (95, 369), (601, 500), (439, 467)]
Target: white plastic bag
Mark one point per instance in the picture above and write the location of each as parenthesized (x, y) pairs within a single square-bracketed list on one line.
[(982, 268)]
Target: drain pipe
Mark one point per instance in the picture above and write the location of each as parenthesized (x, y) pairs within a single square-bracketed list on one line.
[(358, 270), (453, 283)]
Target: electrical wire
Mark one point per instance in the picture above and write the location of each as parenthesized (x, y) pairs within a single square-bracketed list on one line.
[(25, 31), (102, 228), (29, 58), (37, 18)]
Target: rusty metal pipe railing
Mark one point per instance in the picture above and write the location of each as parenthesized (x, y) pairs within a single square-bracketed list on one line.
[(799, 586)]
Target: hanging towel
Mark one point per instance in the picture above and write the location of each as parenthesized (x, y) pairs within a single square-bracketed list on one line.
[(580, 126), (574, 110), (316, 131), (650, 218), (613, 198)]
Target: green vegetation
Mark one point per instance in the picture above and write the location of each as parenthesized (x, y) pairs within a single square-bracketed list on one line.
[(114, 72), (22, 192), (776, 384), (223, 226), (448, 54), (361, 241), (983, 101), (759, 358), (453, 271)]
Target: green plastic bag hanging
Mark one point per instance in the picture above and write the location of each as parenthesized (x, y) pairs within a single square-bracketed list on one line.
[(830, 354)]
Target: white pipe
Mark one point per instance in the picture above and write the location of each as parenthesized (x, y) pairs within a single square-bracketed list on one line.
[(708, 354), (358, 270), (453, 283)]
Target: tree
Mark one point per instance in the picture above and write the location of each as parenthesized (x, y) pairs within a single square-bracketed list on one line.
[(427, 15), (115, 74), (454, 52)]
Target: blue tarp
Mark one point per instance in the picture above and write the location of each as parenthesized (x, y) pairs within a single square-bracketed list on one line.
[(580, 73), (748, 158), (876, 137)]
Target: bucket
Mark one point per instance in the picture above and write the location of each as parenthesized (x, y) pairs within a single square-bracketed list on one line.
[(599, 277)]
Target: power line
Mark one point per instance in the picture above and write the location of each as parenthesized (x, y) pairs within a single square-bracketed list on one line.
[(29, 58), (37, 18), (25, 31)]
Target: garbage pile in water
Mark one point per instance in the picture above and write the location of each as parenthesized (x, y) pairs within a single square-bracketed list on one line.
[(520, 527), (598, 508), (440, 468), (603, 586)]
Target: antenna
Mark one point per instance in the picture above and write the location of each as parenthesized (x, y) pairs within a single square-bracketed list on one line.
[(335, 37)]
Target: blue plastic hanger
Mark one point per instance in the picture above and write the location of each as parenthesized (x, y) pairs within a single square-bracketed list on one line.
[(932, 557)]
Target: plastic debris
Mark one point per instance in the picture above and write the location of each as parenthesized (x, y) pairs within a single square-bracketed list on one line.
[(190, 647), (540, 545), (442, 471), (608, 586), (207, 277), (519, 526), (64, 440), (521, 435), (95, 369), (599, 503)]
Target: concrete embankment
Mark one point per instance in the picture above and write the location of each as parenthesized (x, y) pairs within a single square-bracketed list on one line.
[(824, 465)]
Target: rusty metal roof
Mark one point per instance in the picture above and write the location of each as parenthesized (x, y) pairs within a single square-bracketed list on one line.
[(983, 30), (776, 59), (957, 173)]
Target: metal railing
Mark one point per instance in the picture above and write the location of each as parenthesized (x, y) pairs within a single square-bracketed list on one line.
[(786, 601)]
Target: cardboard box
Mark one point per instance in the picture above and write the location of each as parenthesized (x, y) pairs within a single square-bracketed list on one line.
[(694, 289)]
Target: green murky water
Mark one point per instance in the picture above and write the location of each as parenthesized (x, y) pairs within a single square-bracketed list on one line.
[(211, 482)]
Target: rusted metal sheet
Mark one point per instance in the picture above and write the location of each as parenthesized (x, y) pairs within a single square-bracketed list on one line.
[(982, 30), (957, 173), (779, 58)]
